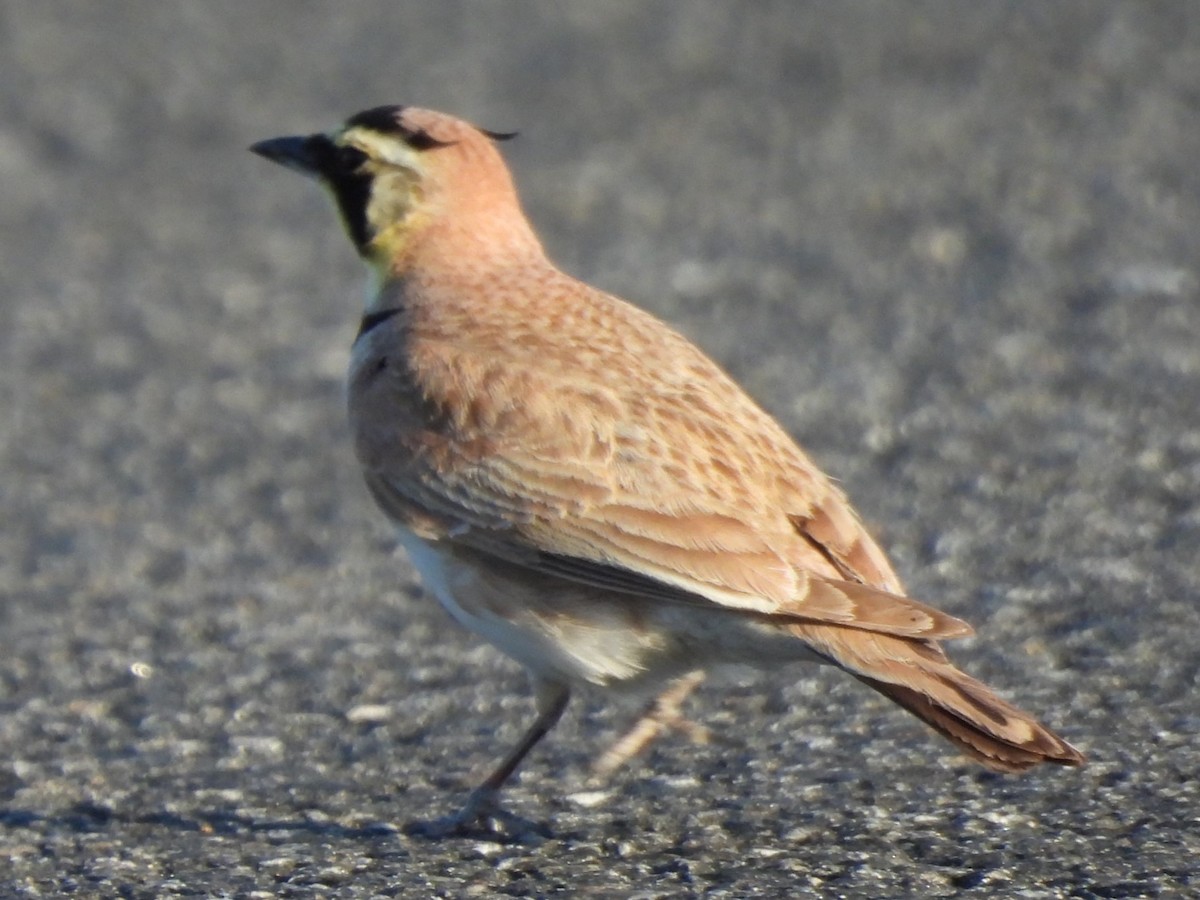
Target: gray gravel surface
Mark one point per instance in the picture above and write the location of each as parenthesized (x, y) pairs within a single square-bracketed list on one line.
[(954, 247)]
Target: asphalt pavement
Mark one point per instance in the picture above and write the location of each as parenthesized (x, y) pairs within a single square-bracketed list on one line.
[(953, 247)]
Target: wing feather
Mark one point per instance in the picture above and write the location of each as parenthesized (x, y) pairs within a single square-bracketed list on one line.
[(678, 487)]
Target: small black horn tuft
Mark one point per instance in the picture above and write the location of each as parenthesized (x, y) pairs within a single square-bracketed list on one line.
[(500, 135)]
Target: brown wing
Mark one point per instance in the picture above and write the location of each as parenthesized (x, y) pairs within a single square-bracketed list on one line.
[(666, 481)]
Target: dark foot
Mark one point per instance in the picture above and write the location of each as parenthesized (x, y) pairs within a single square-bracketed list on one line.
[(482, 818)]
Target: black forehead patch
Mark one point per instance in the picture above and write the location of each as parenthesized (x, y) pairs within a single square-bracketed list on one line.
[(386, 120)]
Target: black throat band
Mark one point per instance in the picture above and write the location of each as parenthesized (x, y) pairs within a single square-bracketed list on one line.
[(371, 320)]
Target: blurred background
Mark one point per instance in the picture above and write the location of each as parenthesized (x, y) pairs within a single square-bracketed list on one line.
[(951, 246)]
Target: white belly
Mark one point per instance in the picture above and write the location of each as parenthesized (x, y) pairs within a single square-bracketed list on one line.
[(438, 574), (564, 631)]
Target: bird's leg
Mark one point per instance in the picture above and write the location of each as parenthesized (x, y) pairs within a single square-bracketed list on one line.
[(663, 712), (483, 803)]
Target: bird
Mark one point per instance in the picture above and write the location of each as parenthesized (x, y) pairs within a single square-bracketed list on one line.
[(581, 486)]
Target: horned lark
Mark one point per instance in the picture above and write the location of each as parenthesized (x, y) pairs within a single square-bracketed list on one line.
[(580, 485)]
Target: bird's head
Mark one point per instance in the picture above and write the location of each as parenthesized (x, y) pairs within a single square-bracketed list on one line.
[(403, 177)]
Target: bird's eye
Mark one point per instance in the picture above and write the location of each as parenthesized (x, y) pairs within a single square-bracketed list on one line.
[(349, 159)]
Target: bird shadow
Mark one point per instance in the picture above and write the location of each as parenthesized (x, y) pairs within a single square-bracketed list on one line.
[(91, 817), (87, 817)]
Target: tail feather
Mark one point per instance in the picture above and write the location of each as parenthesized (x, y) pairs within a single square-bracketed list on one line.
[(916, 675), (979, 743)]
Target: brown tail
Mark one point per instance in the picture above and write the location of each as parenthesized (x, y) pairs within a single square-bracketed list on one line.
[(917, 675)]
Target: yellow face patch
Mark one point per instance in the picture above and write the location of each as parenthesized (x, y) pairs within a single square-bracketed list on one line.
[(379, 194)]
